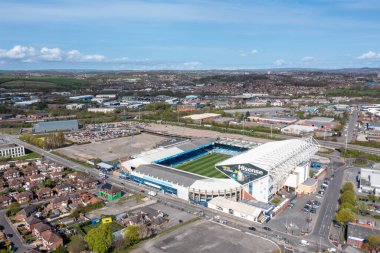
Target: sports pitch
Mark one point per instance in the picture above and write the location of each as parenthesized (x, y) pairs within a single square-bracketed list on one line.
[(205, 165)]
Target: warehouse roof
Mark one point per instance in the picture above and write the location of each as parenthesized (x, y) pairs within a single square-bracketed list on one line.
[(201, 116), (168, 174), (236, 206), (51, 126)]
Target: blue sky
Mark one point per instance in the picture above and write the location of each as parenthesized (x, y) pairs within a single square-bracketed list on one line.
[(165, 34)]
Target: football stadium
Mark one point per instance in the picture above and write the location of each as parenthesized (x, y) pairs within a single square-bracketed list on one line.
[(200, 170)]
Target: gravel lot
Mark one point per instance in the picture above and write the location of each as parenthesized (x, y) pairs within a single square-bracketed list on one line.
[(114, 149), (205, 236)]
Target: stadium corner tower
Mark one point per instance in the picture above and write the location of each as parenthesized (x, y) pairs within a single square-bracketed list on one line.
[(264, 170)]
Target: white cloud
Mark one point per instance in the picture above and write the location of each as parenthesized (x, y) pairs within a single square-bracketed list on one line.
[(243, 53), (17, 52), (77, 56), (254, 51), (30, 54), (369, 55), (307, 59), (51, 54), (192, 64), (279, 62)]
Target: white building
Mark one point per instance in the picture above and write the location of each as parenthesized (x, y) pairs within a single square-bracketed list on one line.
[(297, 130), (264, 170), (370, 180), (102, 110), (11, 150), (74, 106)]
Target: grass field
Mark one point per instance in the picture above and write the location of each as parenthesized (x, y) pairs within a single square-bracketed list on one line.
[(205, 165)]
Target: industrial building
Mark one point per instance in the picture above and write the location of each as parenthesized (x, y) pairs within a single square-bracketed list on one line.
[(370, 180), (11, 150), (55, 126), (297, 130)]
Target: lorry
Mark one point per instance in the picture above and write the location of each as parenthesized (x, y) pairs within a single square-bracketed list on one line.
[(152, 193)]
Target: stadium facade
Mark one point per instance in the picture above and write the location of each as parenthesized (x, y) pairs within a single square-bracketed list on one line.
[(252, 172)]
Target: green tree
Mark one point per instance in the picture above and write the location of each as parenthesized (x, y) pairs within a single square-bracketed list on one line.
[(348, 197), (131, 233), (77, 244), (372, 243), (13, 209), (60, 249), (99, 239), (344, 216), (348, 186)]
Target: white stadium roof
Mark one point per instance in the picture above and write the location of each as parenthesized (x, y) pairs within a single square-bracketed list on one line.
[(279, 158), (215, 184)]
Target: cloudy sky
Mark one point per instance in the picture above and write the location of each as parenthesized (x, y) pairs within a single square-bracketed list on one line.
[(198, 34)]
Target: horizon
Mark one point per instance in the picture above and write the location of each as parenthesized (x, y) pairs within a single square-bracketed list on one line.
[(171, 35)]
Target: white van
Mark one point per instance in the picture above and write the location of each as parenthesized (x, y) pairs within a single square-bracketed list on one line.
[(304, 243)]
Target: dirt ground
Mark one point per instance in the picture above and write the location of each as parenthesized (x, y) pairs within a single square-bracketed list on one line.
[(114, 149)]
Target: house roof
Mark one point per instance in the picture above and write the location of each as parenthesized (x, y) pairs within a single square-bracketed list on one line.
[(109, 188)]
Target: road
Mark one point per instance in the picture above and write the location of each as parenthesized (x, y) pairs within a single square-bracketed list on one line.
[(322, 226), (9, 229), (187, 206)]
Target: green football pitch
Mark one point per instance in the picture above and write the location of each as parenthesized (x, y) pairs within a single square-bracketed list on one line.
[(205, 165)]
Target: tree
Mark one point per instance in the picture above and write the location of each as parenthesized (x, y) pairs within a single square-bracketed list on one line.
[(373, 243), (348, 197), (13, 209), (344, 216), (60, 249), (131, 233), (348, 186), (99, 239), (77, 244)]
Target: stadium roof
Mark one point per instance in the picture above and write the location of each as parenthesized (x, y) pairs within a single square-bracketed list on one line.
[(168, 174), (215, 184), (279, 158), (195, 143)]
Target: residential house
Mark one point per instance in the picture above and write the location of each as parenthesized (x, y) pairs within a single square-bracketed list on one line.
[(5, 200), (40, 228), (109, 191), (51, 240), (85, 182), (56, 175), (26, 212), (148, 216), (37, 179), (15, 183), (24, 197), (44, 193), (11, 174), (31, 222), (59, 202), (64, 189), (30, 171)]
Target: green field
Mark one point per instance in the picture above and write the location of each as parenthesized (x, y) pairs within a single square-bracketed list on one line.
[(205, 165)]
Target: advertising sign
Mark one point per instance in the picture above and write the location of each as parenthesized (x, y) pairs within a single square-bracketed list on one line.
[(242, 173)]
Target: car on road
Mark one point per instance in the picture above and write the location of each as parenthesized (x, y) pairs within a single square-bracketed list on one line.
[(331, 250), (142, 191), (267, 228), (291, 205), (252, 228), (304, 243)]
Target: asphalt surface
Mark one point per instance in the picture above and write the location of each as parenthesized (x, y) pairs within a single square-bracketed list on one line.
[(324, 218), (328, 208), (9, 229)]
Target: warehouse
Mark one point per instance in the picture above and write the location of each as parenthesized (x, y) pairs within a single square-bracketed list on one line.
[(55, 126)]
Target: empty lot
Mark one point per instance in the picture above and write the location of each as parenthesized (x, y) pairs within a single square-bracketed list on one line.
[(114, 149), (205, 236)]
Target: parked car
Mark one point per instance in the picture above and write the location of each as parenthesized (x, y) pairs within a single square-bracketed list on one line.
[(313, 210), (267, 228), (252, 228)]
